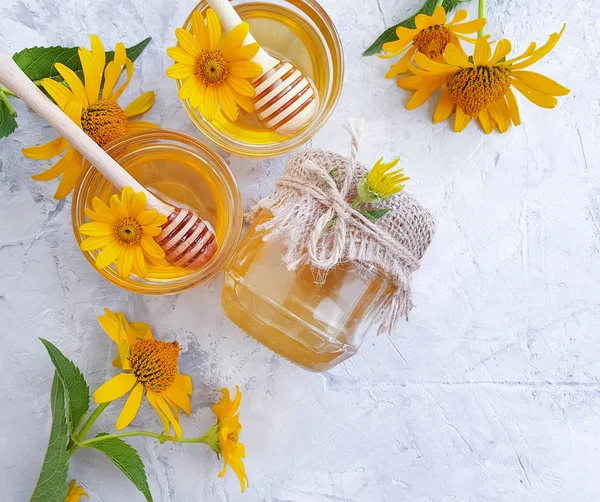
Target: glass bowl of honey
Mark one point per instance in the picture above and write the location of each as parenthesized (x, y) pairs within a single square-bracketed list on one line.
[(299, 31), (183, 171)]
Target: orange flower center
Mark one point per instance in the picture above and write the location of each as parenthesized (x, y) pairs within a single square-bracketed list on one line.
[(473, 89), (104, 121), (128, 231), (432, 41), (154, 363), (212, 68)]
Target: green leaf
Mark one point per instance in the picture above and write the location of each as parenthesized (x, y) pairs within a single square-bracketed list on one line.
[(389, 35), (374, 214), (127, 459), (52, 484), (8, 124), (76, 388), (38, 62)]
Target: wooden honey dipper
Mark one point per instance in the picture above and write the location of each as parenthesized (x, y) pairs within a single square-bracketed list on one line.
[(285, 99), (186, 238)]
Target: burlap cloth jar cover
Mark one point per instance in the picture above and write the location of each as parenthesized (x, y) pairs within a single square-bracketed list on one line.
[(313, 218)]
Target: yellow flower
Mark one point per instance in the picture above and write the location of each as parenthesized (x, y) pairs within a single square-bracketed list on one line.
[(482, 88), (125, 232), (229, 428), (75, 493), (149, 366), (98, 114), (430, 37), (216, 74), (381, 182)]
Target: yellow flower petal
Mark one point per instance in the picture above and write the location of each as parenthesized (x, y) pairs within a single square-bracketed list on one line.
[(245, 69), (141, 104), (74, 83), (444, 108), (234, 39), (197, 94), (485, 122), (214, 29), (499, 112), (137, 204), (540, 83), (503, 48), (132, 405), (460, 15), (536, 97), (244, 102), (183, 383), (108, 255), (115, 388), (153, 402), (92, 75), (65, 162), (420, 96), (439, 16), (47, 150), (539, 53), (151, 247), (210, 104), (244, 53), (200, 30), (483, 52), (461, 120), (113, 70), (180, 398), (453, 57), (164, 408), (61, 95), (140, 125), (227, 102), (73, 110), (96, 229), (469, 27), (139, 263), (70, 176), (513, 108), (241, 86), (125, 262), (436, 68), (92, 243), (187, 42), (401, 66), (180, 70), (179, 55), (129, 67)]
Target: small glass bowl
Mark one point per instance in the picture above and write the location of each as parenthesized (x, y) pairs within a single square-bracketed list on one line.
[(299, 31), (183, 171)]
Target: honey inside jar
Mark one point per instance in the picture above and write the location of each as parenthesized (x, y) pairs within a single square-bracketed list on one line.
[(184, 172), (298, 31), (312, 322)]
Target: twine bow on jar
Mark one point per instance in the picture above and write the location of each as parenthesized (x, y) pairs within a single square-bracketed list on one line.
[(314, 219)]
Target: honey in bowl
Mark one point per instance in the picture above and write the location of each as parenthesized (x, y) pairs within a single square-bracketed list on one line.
[(297, 31), (180, 170)]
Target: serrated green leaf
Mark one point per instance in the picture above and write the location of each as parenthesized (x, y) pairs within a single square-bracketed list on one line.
[(38, 62), (8, 124), (52, 484), (374, 214), (77, 392), (389, 35), (126, 458)]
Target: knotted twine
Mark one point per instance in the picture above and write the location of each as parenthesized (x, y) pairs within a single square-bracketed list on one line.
[(314, 220)]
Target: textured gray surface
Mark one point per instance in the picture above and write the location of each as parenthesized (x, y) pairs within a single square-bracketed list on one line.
[(489, 393)]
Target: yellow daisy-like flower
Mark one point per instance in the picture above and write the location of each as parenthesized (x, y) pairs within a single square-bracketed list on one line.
[(75, 493), (93, 109), (229, 428), (430, 37), (217, 74), (482, 88), (150, 367), (381, 182), (124, 232)]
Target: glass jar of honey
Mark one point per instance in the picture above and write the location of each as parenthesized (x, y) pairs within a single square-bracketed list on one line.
[(314, 323)]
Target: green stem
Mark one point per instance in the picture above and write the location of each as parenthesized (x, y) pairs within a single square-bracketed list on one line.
[(161, 437), (439, 2), (90, 421), (6, 102), (7, 91), (481, 15)]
